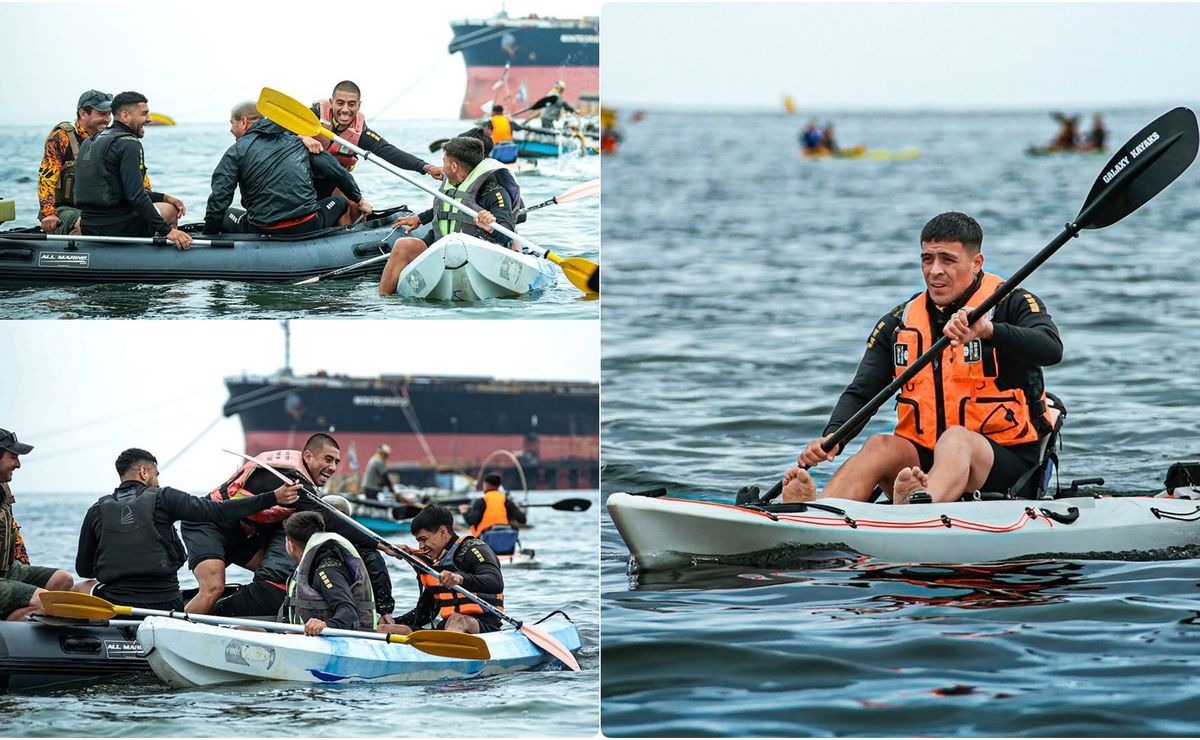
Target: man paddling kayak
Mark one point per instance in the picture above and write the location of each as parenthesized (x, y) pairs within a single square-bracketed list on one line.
[(970, 420)]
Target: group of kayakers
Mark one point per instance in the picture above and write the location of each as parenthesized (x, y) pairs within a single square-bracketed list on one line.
[(310, 565), (93, 178), (1069, 138), (973, 420), (816, 139)]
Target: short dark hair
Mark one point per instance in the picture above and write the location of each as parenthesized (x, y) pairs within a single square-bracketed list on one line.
[(301, 526), (466, 149), (319, 440), (497, 109), (953, 226), (484, 138), (492, 479), (131, 458), (346, 86), (432, 517), (127, 99)]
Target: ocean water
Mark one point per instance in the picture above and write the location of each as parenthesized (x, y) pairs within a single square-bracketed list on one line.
[(181, 160), (742, 286), (544, 703)]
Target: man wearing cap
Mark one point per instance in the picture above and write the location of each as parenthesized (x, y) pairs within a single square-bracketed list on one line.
[(21, 584), (552, 105), (110, 180), (376, 478), (56, 176)]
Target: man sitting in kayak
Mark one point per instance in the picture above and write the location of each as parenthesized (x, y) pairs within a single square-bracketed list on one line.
[(274, 173), (261, 546), (471, 179), (128, 540), (330, 587), (463, 561), (495, 508), (969, 421)]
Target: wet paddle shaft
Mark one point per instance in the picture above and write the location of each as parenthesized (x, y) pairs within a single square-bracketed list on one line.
[(539, 637), (1140, 170)]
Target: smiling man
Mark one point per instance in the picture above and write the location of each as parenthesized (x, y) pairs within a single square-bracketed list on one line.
[(970, 420)]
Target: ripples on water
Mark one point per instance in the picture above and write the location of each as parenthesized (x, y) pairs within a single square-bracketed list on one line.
[(533, 703), (181, 160), (748, 282)]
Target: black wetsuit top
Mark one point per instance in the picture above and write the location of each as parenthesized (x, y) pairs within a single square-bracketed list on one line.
[(1024, 336), (481, 573), (124, 171)]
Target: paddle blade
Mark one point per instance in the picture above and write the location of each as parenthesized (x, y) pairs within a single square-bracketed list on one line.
[(79, 606), (309, 281), (1141, 169), (546, 642), (437, 144), (290, 113), (446, 644), (579, 191), (572, 504)]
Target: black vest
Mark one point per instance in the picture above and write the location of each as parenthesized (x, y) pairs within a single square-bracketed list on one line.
[(95, 186), (131, 545)]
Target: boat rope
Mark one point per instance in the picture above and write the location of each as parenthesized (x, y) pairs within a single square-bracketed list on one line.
[(411, 416), (241, 403), (109, 418), (551, 614), (219, 418), (1179, 516), (421, 78)]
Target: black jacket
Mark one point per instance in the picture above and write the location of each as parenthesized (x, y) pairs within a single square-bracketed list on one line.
[(110, 184), (275, 174), (481, 573)]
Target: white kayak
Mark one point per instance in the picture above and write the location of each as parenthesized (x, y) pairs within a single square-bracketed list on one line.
[(665, 533), (462, 268), (185, 654)]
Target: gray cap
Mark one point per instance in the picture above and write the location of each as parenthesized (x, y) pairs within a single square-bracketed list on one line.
[(96, 100), (8, 441)]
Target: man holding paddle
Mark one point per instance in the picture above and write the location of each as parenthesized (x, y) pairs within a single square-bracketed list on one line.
[(972, 419)]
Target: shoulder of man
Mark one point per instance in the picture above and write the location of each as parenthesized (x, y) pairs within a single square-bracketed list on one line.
[(493, 190), (1020, 302), (886, 325), (473, 550)]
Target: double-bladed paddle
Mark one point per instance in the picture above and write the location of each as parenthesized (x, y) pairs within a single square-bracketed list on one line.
[(536, 635), (579, 191), (566, 504), (297, 118), (158, 241), (1140, 170), (435, 642)]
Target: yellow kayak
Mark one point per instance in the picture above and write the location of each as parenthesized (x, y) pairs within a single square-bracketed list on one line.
[(862, 152)]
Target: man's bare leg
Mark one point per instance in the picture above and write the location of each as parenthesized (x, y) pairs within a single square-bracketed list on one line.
[(461, 623), (35, 607), (962, 461), (60, 581), (403, 251), (876, 464), (210, 576), (169, 213)]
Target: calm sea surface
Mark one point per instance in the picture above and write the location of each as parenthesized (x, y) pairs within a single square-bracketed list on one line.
[(535, 703), (742, 285), (181, 160)]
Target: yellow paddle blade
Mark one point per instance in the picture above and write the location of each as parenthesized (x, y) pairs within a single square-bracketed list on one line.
[(290, 113), (160, 119), (583, 274), (447, 644), (80, 606)]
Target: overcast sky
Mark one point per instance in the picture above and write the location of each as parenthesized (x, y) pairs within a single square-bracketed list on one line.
[(901, 55), (82, 391), (194, 60)]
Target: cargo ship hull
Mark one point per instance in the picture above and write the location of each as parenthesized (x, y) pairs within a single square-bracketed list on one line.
[(431, 424), (515, 61)]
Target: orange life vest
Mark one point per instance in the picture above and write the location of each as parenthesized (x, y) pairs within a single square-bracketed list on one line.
[(278, 459), (352, 134), (494, 512), (449, 601), (501, 128), (960, 388)]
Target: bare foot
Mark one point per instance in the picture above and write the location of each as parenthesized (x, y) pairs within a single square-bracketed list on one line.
[(908, 482), (798, 486)]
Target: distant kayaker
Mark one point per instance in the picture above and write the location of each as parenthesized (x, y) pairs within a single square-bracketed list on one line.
[(502, 125), (56, 176), (810, 137), (829, 138), (494, 508), (471, 179), (1067, 138), (128, 540), (375, 479), (462, 561), (1097, 136), (21, 584), (551, 105), (111, 187), (969, 421), (274, 172), (330, 586), (261, 546), (341, 113)]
